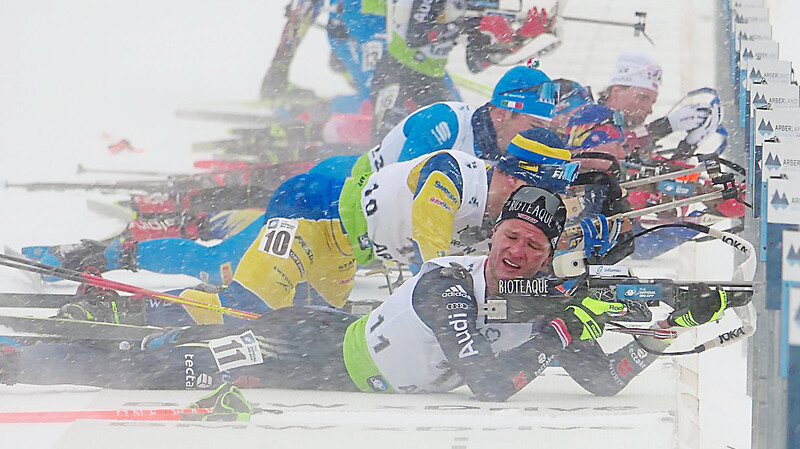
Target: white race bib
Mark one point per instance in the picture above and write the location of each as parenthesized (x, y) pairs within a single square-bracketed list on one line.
[(278, 237), (236, 350)]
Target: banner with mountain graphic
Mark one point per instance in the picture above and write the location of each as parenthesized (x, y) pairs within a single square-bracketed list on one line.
[(758, 72), (771, 97), (791, 295), (770, 126), (782, 214)]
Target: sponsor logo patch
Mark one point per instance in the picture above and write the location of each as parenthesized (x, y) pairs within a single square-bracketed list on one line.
[(455, 290), (377, 383)]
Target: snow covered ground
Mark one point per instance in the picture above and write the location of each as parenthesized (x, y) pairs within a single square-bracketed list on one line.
[(74, 76)]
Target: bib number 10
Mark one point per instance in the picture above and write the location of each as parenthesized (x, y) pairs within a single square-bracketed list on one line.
[(278, 237)]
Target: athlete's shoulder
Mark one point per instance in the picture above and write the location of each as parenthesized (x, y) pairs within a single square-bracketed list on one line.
[(473, 264)]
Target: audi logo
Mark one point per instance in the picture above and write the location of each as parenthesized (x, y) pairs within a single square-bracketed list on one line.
[(457, 305)]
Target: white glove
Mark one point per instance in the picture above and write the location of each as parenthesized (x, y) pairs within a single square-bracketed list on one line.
[(708, 127), (689, 117)]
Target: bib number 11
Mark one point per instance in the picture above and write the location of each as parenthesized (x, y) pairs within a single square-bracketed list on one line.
[(278, 237), (235, 351)]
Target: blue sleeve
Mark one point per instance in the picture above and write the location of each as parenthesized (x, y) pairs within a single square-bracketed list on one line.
[(184, 256), (338, 166), (430, 129), (311, 195), (350, 49)]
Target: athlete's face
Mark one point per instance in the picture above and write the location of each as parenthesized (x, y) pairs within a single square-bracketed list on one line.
[(519, 249), (636, 103), (508, 124), (559, 122), (615, 149)]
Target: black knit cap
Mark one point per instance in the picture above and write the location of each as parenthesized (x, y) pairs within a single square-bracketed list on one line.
[(539, 207)]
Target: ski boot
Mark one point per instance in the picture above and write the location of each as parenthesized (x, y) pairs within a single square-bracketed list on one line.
[(104, 305)]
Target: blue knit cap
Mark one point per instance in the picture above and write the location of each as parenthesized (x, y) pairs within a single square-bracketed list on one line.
[(537, 156), (594, 125), (526, 90)]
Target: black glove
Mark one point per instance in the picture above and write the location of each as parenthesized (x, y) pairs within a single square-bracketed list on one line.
[(703, 304), (605, 196), (480, 52)]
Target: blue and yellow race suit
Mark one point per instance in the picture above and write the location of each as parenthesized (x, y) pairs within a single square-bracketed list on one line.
[(411, 211)]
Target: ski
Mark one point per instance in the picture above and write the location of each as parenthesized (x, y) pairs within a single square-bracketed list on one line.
[(77, 329), (29, 339), (280, 139), (35, 279), (36, 300), (255, 117), (110, 209), (97, 281), (58, 300)]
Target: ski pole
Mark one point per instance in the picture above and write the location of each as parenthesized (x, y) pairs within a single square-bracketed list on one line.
[(474, 86), (97, 281), (171, 414)]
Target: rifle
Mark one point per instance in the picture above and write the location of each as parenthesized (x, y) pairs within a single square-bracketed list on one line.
[(638, 295), (527, 302), (741, 290), (128, 186), (221, 174)]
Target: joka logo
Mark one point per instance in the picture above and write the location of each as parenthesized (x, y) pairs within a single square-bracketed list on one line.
[(755, 75), (747, 54), (764, 128), (760, 102), (779, 201), (793, 257), (772, 162)]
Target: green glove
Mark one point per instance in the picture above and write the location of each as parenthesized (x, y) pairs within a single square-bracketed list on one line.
[(588, 317), (228, 403)]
